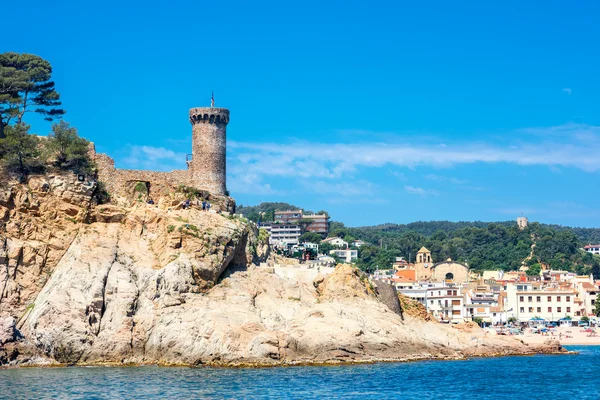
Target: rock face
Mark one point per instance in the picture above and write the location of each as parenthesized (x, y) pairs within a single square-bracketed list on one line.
[(85, 284)]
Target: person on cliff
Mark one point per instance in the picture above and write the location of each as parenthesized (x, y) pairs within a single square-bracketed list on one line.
[(208, 206), (203, 205), (186, 205)]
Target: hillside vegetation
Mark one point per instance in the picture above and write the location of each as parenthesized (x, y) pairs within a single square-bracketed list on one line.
[(481, 245)]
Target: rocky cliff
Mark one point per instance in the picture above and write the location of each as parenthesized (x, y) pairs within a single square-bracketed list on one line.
[(140, 283)]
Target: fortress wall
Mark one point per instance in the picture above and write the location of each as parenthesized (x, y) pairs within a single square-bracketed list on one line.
[(118, 180)]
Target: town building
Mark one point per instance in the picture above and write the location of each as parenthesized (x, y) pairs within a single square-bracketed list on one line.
[(526, 301), (288, 217), (423, 264), (319, 222), (449, 271), (347, 255), (357, 243), (401, 264), (592, 248), (445, 302), (282, 233), (335, 241)]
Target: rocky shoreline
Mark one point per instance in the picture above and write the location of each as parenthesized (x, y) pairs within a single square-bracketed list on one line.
[(131, 283)]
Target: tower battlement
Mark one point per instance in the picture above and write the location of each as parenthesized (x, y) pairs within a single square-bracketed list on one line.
[(211, 115)]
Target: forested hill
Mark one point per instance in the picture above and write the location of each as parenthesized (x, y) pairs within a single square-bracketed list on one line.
[(482, 245), (428, 228)]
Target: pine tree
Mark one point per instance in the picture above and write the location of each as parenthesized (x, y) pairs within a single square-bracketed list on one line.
[(20, 151), (26, 86)]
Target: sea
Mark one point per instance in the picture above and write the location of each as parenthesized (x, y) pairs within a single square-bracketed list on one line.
[(573, 376)]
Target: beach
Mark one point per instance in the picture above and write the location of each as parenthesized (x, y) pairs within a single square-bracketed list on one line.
[(566, 335)]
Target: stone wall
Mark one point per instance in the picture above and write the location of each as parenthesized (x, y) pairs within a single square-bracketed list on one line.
[(118, 181)]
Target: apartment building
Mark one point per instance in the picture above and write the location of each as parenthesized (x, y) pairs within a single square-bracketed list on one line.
[(319, 222), (550, 304), (346, 255), (283, 233), (445, 302)]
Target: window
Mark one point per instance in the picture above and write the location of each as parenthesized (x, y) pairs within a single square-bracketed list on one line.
[(539, 309), (530, 309), (568, 309), (558, 298), (449, 292), (549, 299), (558, 309), (521, 298), (431, 301), (530, 299), (522, 309), (549, 309), (568, 299), (538, 298)]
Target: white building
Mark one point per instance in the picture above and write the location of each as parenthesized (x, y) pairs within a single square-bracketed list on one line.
[(551, 304), (335, 241), (445, 303), (283, 233), (592, 248), (346, 255)]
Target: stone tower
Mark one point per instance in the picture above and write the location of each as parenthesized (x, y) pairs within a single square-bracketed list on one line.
[(209, 134)]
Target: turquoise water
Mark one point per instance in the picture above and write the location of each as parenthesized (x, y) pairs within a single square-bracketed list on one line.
[(574, 377)]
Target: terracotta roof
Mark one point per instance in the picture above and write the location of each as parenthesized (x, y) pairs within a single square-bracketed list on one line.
[(589, 246), (588, 287)]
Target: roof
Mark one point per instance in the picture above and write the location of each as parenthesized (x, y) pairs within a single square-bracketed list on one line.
[(423, 250), (330, 239), (407, 274), (589, 246), (289, 212), (588, 287), (449, 262)]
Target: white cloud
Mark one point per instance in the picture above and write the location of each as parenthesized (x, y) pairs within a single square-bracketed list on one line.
[(420, 191), (559, 147), (568, 91)]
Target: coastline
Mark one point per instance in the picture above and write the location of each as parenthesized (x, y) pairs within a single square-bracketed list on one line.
[(290, 363)]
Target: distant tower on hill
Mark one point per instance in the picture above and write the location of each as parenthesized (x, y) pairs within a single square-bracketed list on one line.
[(209, 135), (522, 222)]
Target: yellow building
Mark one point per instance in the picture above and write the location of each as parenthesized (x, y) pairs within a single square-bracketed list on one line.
[(449, 271), (423, 264)]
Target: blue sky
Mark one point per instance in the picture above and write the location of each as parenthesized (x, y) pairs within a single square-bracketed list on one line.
[(375, 111)]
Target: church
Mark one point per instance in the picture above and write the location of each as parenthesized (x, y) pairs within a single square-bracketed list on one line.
[(445, 271)]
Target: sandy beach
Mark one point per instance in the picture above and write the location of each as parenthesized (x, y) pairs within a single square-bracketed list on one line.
[(566, 335)]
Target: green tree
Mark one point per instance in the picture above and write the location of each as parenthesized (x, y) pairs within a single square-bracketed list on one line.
[(597, 308), (585, 319), (310, 237), (68, 150), (26, 86), (596, 268), (21, 151), (534, 270)]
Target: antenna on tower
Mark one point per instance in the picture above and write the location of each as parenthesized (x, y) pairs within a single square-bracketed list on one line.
[(212, 99)]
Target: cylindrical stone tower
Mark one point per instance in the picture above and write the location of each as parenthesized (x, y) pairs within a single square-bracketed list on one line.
[(209, 134)]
